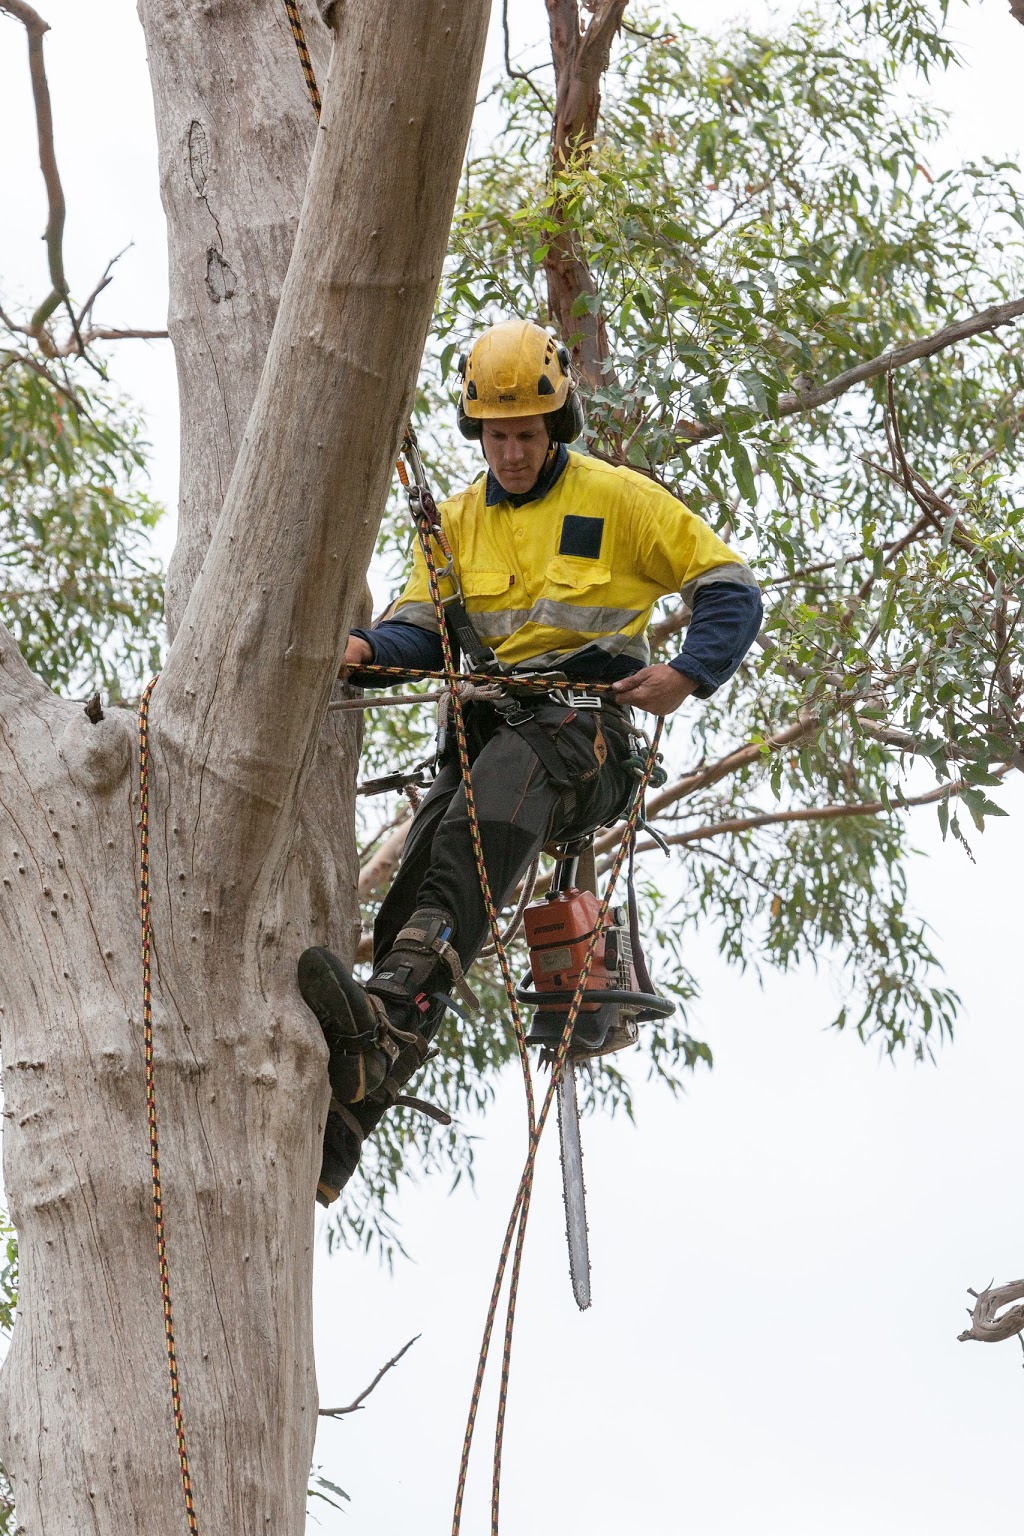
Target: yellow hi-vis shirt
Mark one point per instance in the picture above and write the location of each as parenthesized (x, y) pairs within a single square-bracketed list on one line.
[(581, 566)]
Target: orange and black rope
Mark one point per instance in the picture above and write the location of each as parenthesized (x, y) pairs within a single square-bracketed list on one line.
[(515, 1232), (523, 680), (295, 22), (154, 1142)]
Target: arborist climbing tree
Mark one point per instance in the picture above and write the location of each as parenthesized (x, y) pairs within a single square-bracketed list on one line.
[(556, 562)]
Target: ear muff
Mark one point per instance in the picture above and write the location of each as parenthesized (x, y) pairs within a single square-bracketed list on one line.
[(566, 424), (469, 426)]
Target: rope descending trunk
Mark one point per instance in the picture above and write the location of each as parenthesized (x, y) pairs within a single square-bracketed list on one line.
[(154, 1140)]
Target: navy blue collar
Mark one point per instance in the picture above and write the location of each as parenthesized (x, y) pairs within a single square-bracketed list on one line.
[(548, 476)]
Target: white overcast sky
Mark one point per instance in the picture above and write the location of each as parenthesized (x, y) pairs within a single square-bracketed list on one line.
[(781, 1256)]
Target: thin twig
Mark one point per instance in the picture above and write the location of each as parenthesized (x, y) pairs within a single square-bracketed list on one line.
[(739, 824), (357, 1403), (104, 282), (520, 74)]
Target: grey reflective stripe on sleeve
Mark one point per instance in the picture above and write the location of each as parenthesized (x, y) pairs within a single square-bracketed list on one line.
[(735, 573), (573, 617), (419, 614)]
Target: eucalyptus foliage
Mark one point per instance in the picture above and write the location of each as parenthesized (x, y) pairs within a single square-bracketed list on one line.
[(760, 214), (79, 588)]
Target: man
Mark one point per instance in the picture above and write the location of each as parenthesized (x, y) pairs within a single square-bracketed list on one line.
[(560, 559)]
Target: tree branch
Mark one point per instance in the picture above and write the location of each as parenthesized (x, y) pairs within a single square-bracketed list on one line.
[(519, 74), (111, 333), (740, 824), (580, 59), (356, 1404), (796, 402), (379, 868), (732, 762), (988, 1325), (36, 28)]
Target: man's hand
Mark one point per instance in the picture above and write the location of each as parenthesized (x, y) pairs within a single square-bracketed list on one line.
[(659, 689), (357, 653)]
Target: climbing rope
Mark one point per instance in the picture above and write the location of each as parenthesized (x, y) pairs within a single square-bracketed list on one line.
[(428, 527), (154, 1142), (295, 22)]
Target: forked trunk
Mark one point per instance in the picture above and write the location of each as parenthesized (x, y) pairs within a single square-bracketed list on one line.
[(250, 819)]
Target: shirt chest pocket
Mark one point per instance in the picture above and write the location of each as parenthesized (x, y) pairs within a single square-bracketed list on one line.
[(485, 589), (573, 574)]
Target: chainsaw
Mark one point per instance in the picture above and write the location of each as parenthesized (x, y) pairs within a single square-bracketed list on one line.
[(559, 929)]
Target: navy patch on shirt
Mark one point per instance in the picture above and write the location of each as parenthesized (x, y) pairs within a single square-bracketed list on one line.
[(582, 536)]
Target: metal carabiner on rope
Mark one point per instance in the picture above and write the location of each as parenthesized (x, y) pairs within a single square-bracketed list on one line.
[(423, 507)]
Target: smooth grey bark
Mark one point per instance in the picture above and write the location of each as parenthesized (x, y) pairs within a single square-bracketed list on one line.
[(236, 132), (244, 867)]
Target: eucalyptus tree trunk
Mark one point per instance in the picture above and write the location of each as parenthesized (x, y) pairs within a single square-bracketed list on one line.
[(286, 465)]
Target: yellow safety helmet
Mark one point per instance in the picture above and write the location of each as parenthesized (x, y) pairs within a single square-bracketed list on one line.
[(518, 369)]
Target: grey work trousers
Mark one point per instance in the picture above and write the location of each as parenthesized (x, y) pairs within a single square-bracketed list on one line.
[(520, 808)]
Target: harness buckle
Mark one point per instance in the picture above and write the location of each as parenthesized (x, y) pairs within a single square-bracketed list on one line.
[(513, 711), (575, 698)]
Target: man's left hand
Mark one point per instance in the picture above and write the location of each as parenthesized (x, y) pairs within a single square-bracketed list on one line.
[(659, 689)]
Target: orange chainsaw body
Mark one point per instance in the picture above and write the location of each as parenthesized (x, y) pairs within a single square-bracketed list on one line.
[(558, 932)]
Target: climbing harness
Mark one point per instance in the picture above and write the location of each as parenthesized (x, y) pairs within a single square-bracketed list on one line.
[(154, 1142)]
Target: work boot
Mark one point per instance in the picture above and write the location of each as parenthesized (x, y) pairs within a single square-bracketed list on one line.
[(378, 1036), (348, 1125), (356, 1034), (343, 1142)]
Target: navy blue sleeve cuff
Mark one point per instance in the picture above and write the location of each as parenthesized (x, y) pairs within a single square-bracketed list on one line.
[(724, 625), (395, 644)]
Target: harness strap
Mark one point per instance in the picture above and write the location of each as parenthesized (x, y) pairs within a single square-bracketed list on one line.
[(344, 1113), (462, 630), (409, 1101), (551, 759)]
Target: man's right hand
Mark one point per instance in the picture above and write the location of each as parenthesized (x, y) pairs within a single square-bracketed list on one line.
[(357, 653)]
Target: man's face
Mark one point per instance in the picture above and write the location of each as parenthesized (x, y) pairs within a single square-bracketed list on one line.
[(516, 448)]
